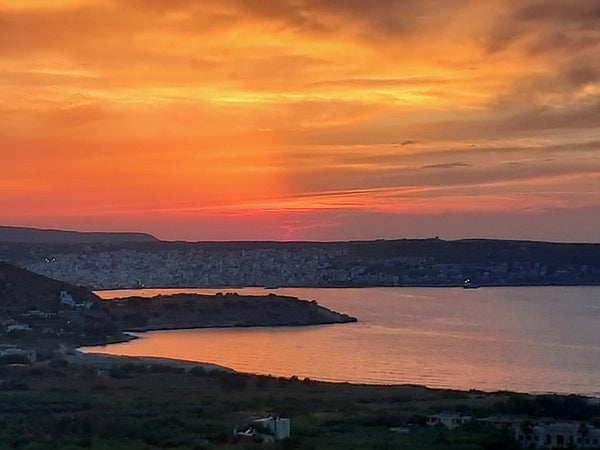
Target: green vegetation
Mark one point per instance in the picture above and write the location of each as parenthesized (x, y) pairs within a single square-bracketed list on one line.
[(139, 404)]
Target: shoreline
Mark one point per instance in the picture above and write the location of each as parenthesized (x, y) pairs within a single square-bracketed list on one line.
[(95, 358), (177, 362), (106, 360), (515, 384), (129, 336), (273, 290)]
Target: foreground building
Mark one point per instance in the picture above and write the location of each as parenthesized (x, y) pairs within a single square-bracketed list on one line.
[(558, 435), (450, 420), (267, 429)]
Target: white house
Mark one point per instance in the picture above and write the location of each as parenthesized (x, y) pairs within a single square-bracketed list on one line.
[(18, 327), (269, 429), (67, 299), (559, 435), (278, 426), (448, 419)]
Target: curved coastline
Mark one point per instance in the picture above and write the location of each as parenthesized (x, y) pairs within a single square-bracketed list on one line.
[(188, 311)]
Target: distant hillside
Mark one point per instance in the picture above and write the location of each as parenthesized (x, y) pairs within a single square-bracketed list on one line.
[(22, 290), (403, 262), (38, 312), (39, 236)]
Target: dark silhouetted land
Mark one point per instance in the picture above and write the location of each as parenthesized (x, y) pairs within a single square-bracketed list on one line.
[(38, 311), (113, 264), (41, 236)]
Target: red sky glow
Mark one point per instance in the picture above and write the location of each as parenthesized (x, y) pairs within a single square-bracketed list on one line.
[(302, 120)]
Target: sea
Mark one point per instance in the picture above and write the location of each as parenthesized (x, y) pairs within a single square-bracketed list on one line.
[(522, 339)]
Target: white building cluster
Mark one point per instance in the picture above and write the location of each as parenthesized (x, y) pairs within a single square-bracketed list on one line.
[(545, 435), (558, 435), (265, 266)]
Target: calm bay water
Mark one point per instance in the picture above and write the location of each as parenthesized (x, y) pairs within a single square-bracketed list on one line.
[(526, 339)]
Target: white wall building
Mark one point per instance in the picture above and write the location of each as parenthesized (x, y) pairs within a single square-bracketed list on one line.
[(448, 419), (559, 435), (278, 426)]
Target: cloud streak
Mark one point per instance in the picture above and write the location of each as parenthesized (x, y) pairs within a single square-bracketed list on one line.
[(299, 105)]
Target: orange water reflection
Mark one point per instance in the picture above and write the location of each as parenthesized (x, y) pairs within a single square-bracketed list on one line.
[(522, 339)]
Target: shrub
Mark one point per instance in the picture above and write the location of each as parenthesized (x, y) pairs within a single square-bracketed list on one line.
[(234, 381), (164, 368), (198, 371), (136, 319), (119, 374), (58, 363)]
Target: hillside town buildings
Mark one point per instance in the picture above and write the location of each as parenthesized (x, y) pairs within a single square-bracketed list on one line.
[(293, 267)]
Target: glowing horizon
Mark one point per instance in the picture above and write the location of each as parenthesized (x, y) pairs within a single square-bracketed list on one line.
[(302, 120)]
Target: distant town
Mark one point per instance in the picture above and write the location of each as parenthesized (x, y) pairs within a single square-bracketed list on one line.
[(141, 261)]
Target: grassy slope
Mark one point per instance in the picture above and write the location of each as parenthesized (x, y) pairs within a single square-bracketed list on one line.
[(160, 406)]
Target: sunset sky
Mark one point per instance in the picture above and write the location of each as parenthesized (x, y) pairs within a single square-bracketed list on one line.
[(302, 119)]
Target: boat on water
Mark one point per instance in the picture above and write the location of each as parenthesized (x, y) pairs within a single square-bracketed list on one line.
[(468, 284)]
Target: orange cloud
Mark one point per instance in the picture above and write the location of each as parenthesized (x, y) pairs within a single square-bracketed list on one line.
[(403, 106)]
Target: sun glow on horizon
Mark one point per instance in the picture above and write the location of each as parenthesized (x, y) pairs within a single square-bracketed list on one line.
[(115, 113)]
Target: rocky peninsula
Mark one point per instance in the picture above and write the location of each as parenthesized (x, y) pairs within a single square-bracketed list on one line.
[(221, 310), (38, 312)]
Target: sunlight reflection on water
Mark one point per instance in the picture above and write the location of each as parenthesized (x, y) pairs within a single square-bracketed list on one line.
[(528, 339)]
